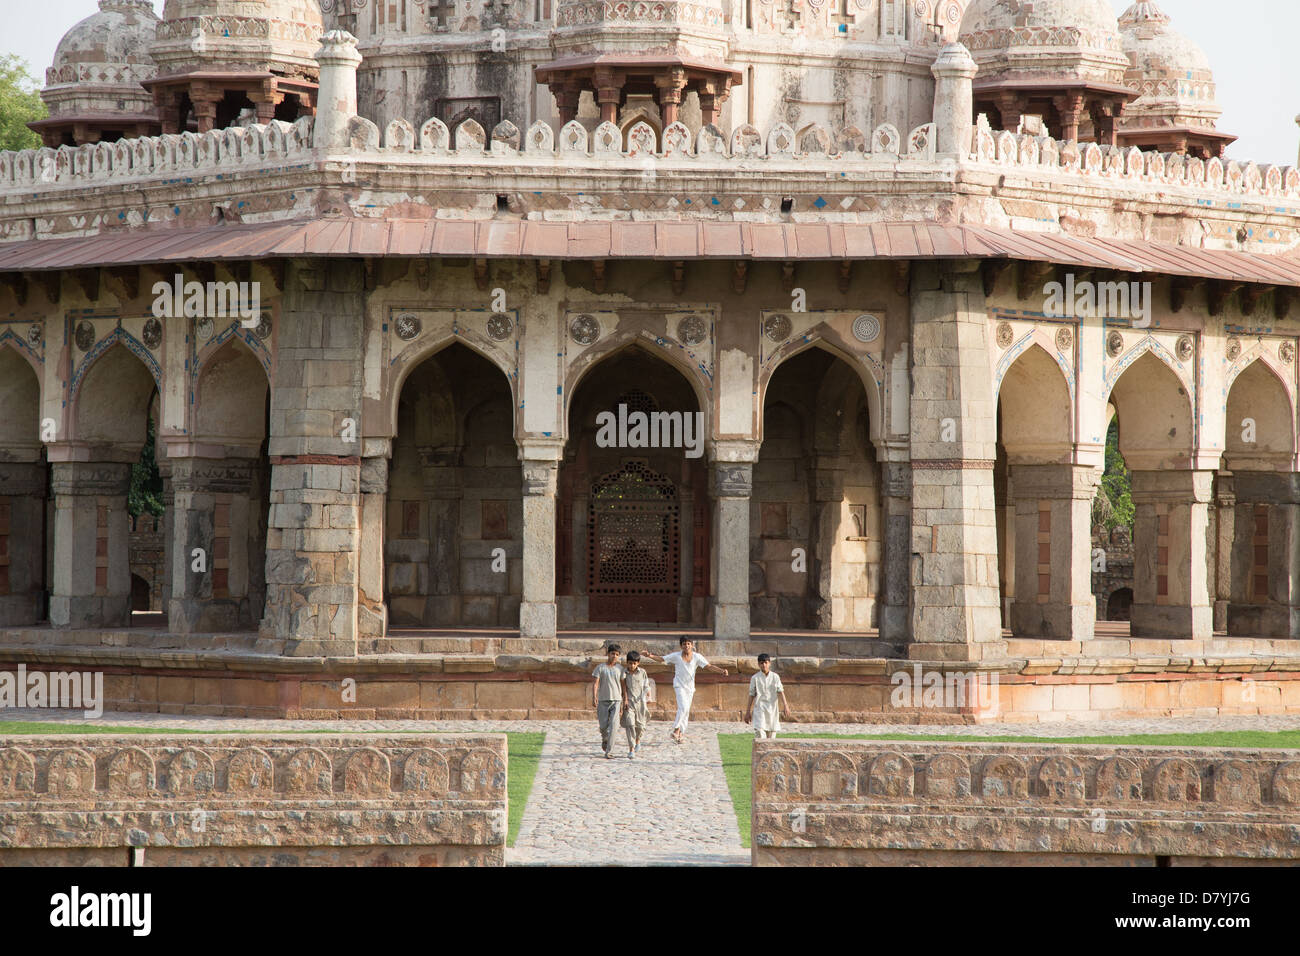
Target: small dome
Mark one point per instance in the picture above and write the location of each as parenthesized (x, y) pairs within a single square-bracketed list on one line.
[(110, 47), (1023, 39), (279, 36), (1033, 17)]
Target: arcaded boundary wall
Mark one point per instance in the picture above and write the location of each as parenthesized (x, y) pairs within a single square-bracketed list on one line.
[(847, 803), (203, 800)]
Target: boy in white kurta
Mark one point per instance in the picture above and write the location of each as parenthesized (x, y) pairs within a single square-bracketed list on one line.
[(765, 692), (685, 662)]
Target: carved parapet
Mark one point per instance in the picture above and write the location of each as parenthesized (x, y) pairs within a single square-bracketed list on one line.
[(849, 802), (327, 799)]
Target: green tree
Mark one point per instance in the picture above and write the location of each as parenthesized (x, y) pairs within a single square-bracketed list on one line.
[(20, 104), (1113, 505), (145, 496)]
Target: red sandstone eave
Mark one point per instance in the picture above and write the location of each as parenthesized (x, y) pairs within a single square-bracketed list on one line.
[(636, 240)]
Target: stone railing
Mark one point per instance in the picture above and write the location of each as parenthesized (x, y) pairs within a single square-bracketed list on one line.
[(254, 800), (1088, 160), (855, 803)]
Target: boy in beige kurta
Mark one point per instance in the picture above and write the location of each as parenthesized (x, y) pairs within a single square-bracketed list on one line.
[(765, 693)]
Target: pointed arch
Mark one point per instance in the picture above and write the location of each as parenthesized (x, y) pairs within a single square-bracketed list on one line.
[(8, 340), (111, 400), (1260, 419), (229, 395), (20, 405), (866, 374), (1037, 408), (641, 115), (1155, 410), (699, 380), (401, 366)]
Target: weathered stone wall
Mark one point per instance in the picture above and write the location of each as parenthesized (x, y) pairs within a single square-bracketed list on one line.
[(847, 803), (147, 558), (1117, 547), (254, 801)]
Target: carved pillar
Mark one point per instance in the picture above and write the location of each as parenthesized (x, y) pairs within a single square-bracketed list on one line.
[(567, 97), (1103, 122), (955, 614), (893, 607), (541, 465), (733, 483), (954, 107), (1009, 105), (169, 526), (1265, 557), (1222, 534), (205, 108), (372, 612), (828, 504), (212, 534), (92, 561), (609, 94), (1170, 589), (443, 491), (1070, 108), (670, 94), (22, 534), (1053, 529), (336, 96)]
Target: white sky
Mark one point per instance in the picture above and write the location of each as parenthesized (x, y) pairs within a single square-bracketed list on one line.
[(1247, 53)]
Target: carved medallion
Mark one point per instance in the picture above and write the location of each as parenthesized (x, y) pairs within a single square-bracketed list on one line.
[(866, 328), (263, 328), (152, 334), (692, 330), (407, 326), (1005, 335), (34, 336), (1234, 349), (1064, 339), (778, 327), (499, 326), (1286, 352), (84, 336), (203, 329), (1184, 349), (584, 329), (1114, 344)]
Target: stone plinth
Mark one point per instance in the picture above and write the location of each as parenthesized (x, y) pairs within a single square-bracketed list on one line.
[(849, 803), (22, 522), (92, 561), (414, 800)]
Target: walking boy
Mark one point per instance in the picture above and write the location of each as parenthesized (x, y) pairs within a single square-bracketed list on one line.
[(636, 684), (765, 691), (685, 662), (606, 694)]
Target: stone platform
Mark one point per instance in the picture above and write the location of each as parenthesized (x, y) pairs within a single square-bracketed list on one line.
[(855, 803), (241, 800), (492, 675)]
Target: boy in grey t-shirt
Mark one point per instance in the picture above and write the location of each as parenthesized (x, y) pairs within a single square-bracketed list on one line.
[(607, 694), (636, 685)]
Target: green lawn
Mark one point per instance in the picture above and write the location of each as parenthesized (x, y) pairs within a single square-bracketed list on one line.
[(524, 753), (737, 751)]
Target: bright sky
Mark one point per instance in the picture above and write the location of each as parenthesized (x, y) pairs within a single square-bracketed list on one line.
[(1247, 53)]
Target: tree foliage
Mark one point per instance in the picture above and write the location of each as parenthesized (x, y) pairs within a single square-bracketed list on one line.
[(145, 496), (1113, 505), (20, 104)]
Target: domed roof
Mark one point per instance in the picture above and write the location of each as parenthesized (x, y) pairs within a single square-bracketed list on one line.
[(109, 47), (1170, 72), (277, 36), (1014, 39)]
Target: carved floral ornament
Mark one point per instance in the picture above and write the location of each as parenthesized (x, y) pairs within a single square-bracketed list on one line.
[(1184, 348), (1005, 335), (866, 328), (1114, 344), (407, 325), (778, 327), (499, 326), (1064, 339), (34, 336), (692, 330), (584, 329), (84, 336), (1286, 352)]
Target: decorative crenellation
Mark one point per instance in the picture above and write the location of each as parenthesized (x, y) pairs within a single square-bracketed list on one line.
[(465, 768), (1003, 148)]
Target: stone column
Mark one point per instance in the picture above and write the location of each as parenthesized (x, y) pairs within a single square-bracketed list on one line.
[(22, 533), (372, 612), (336, 97), (314, 531), (1054, 550), (955, 613), (1170, 590), (443, 490), (954, 102), (1265, 556), (1070, 108), (541, 469), (211, 515), (1222, 533), (732, 482), (168, 523), (92, 560), (828, 500), (894, 611)]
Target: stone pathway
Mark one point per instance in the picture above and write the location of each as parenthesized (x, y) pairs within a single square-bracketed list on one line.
[(669, 806)]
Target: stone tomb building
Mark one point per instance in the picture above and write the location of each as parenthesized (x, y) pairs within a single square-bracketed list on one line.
[(490, 224)]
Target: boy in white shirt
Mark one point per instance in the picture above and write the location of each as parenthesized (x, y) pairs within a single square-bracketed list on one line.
[(685, 662), (765, 690)]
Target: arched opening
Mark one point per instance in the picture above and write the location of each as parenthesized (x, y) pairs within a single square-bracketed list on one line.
[(816, 540), (1044, 525), (222, 498), (454, 522), (24, 480), (141, 595), (1259, 451), (1119, 606), (633, 512)]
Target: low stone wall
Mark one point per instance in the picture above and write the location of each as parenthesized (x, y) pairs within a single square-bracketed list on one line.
[(847, 803), (399, 800)]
